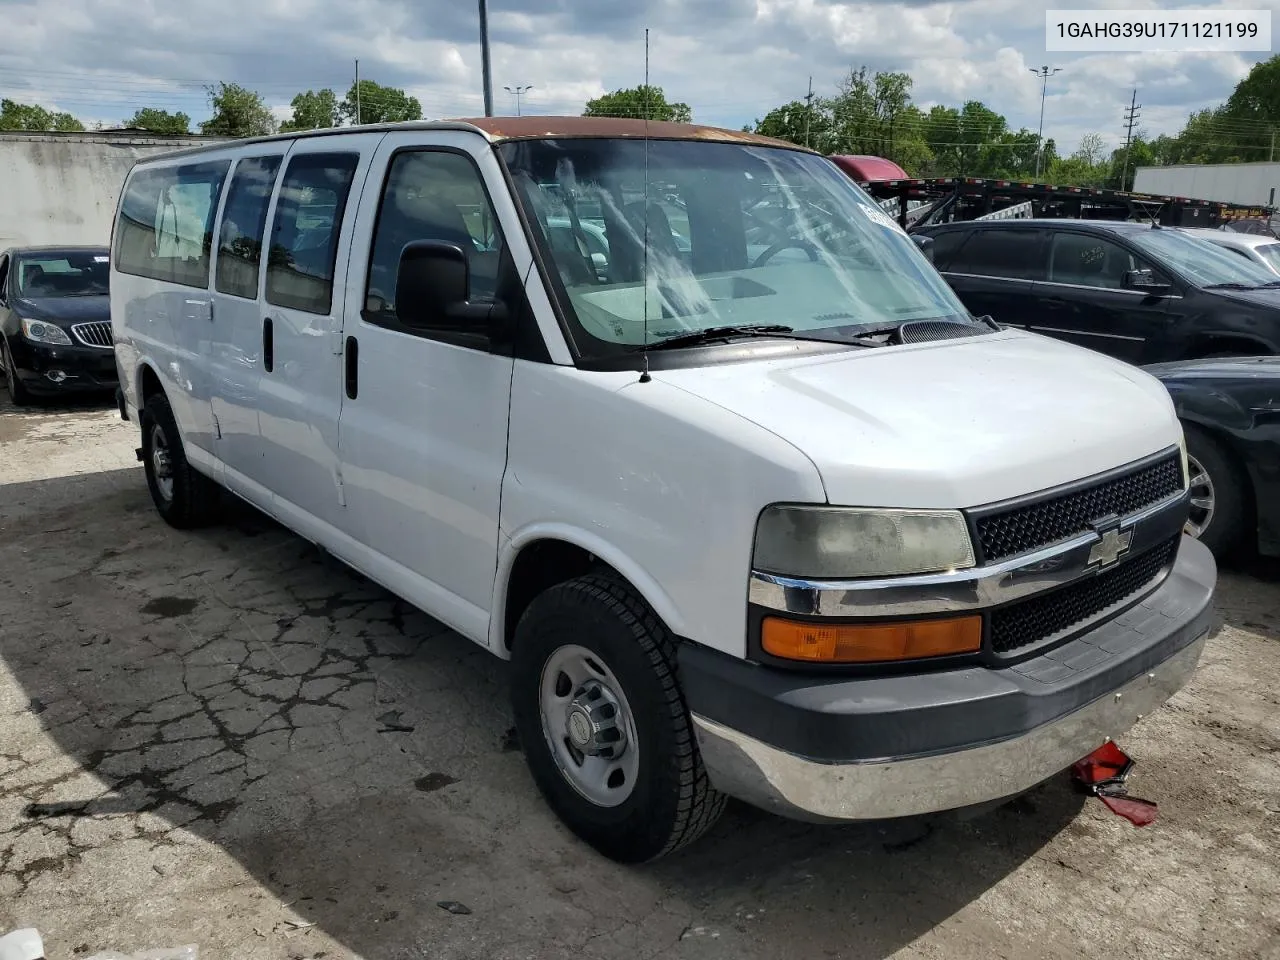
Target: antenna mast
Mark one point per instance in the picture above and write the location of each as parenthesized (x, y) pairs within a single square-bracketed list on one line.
[(644, 370)]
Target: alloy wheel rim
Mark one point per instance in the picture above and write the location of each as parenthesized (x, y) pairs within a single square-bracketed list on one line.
[(1203, 498)]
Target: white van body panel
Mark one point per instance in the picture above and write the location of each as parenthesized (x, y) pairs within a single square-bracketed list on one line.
[(661, 484), (913, 426)]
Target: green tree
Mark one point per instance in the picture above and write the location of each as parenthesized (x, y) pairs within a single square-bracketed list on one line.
[(379, 104), (640, 102), (313, 110), (807, 124), (1253, 112), (237, 112), (29, 116), (160, 121)]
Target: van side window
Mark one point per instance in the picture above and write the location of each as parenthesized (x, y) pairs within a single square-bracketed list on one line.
[(1013, 254), (432, 195), (304, 236), (244, 219), (165, 231)]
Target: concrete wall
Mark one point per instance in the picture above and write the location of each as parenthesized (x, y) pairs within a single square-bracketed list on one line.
[(63, 188), (1249, 184)]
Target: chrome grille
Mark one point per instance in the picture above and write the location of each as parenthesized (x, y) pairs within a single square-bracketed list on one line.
[(1022, 527), (96, 334), (1050, 616)]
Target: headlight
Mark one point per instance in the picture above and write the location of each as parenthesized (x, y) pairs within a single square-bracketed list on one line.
[(42, 332), (837, 543)]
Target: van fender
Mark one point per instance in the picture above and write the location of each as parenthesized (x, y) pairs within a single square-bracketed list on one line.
[(649, 589)]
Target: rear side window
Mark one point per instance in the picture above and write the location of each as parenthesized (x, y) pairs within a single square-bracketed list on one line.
[(243, 221), (304, 236), (999, 253), (165, 230)]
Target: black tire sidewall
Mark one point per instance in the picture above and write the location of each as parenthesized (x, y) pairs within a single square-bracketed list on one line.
[(1226, 529), (189, 506), (639, 828), (17, 391)]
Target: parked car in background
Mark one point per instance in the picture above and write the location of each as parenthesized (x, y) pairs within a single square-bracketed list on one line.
[(55, 321), (1230, 412), (1140, 293), (1255, 247)]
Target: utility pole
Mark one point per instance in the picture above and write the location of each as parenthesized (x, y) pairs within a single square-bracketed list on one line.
[(357, 93), (1131, 119), (1044, 73), (518, 91), (484, 58), (1271, 157), (808, 113)]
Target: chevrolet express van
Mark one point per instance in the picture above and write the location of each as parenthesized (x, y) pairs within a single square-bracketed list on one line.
[(680, 423)]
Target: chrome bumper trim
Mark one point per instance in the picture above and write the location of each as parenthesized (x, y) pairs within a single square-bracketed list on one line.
[(964, 590), (804, 789)]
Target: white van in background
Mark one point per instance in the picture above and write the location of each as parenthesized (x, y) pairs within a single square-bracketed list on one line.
[(681, 423)]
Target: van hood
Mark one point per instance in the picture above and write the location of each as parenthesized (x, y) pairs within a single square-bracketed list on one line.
[(957, 423)]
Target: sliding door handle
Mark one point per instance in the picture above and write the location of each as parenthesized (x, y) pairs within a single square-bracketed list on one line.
[(268, 345), (352, 354)]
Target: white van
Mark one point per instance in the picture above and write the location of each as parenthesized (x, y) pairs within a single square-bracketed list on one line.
[(678, 421)]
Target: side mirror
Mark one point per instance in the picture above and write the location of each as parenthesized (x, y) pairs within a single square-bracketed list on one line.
[(433, 283), (925, 244), (1146, 281)]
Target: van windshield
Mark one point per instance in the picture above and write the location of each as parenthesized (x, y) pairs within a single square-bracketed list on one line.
[(650, 241)]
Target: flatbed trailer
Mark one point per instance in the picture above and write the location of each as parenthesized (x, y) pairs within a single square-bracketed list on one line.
[(922, 201)]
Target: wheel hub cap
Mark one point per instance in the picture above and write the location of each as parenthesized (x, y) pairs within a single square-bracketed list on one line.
[(592, 722)]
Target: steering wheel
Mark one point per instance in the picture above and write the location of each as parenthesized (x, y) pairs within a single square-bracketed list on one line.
[(781, 245)]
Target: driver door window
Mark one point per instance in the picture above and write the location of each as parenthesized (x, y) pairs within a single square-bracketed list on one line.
[(1083, 260)]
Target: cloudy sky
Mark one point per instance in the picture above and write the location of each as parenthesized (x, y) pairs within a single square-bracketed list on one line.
[(731, 60)]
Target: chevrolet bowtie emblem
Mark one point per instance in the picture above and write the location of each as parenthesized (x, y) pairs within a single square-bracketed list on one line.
[(1113, 545)]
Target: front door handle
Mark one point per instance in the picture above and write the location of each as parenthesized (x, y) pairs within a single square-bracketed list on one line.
[(352, 353), (268, 345)]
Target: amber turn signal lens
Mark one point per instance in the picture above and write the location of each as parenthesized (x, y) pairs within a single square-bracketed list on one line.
[(870, 643)]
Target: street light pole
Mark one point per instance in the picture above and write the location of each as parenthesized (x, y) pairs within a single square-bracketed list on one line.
[(518, 91), (1044, 73), (484, 58)]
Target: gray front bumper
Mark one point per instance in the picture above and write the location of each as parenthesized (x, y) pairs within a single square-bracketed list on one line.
[(1145, 655)]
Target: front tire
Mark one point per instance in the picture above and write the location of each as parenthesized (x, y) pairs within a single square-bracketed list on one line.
[(603, 724), (183, 496), (1219, 491), (18, 392)]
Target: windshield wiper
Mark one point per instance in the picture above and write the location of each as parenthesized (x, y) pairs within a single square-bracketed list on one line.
[(746, 331), (1229, 286)]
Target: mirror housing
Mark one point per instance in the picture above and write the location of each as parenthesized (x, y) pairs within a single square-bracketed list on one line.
[(925, 244), (433, 282), (1146, 281)]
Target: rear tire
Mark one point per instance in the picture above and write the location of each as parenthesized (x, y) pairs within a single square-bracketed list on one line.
[(1219, 494), (18, 392), (635, 807), (183, 496)]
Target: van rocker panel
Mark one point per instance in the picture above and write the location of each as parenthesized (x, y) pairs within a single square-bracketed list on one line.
[(819, 747)]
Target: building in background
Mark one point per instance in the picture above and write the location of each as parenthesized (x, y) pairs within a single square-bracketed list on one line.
[(62, 188)]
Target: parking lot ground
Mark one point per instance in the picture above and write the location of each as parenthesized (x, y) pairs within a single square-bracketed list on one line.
[(225, 738)]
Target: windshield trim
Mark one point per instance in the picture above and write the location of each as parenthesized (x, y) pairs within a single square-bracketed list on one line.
[(640, 357)]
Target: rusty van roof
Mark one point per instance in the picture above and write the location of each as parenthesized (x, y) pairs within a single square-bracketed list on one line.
[(501, 129)]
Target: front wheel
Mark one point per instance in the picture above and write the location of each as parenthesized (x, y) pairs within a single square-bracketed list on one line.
[(1218, 492), (604, 727), (18, 392)]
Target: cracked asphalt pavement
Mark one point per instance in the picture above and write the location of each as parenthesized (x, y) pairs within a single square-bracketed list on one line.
[(225, 738)]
